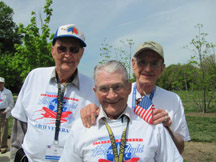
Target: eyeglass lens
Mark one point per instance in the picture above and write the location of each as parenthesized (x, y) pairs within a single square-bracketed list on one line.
[(153, 64)]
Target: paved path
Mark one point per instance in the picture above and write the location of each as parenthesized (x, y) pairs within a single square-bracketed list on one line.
[(5, 157)]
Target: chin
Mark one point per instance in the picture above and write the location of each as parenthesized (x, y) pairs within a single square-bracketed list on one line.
[(145, 81)]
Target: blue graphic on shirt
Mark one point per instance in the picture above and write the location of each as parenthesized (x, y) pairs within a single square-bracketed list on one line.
[(49, 109), (105, 149)]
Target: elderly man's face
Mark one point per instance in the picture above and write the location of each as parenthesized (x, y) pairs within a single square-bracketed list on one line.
[(1, 85), (148, 67), (112, 92), (67, 54)]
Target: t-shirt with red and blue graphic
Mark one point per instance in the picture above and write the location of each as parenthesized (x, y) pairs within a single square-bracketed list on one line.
[(144, 142), (172, 103), (37, 106)]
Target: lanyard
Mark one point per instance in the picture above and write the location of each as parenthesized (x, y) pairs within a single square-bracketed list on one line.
[(134, 96), (117, 157), (59, 109)]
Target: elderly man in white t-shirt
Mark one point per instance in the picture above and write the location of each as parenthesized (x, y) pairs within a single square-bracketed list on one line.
[(50, 100), (119, 134), (148, 65)]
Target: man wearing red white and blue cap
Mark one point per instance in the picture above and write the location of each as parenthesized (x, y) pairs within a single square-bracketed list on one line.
[(51, 99)]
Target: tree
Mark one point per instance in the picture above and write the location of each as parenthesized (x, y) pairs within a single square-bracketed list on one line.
[(202, 49), (178, 77), (120, 53), (8, 30), (9, 36), (35, 50)]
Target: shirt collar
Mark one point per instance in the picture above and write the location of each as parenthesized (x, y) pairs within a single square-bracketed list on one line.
[(2, 89), (73, 80), (102, 115)]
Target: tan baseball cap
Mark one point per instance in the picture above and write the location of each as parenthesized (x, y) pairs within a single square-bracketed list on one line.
[(150, 45), (2, 79)]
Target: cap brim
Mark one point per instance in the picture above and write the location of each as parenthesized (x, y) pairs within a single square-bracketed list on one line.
[(63, 36), (144, 49)]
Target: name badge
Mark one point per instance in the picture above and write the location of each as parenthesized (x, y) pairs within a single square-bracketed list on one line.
[(53, 152)]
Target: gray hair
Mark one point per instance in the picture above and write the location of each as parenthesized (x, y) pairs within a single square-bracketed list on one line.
[(111, 67)]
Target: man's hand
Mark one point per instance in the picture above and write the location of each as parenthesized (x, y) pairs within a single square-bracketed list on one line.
[(161, 116), (88, 114)]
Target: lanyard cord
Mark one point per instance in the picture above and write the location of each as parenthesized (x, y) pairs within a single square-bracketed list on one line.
[(59, 109), (117, 157)]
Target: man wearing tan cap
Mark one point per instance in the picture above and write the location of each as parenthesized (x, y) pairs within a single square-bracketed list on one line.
[(6, 105), (50, 100), (148, 65)]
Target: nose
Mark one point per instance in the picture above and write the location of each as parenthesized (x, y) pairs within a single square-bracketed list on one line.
[(148, 67), (68, 54), (111, 94)]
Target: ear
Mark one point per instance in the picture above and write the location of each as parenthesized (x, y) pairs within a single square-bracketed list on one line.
[(82, 50), (162, 69), (94, 89), (129, 87), (133, 63), (52, 51)]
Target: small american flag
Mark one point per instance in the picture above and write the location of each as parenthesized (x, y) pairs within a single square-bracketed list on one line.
[(144, 109)]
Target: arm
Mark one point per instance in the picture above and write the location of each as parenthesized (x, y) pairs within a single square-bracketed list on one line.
[(18, 133), (167, 150), (10, 104), (89, 114), (161, 116)]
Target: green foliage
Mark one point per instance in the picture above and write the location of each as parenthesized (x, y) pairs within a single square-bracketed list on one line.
[(105, 52), (35, 50), (178, 77)]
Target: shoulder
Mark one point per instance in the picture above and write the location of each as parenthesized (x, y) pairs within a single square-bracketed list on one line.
[(7, 90), (42, 70), (40, 74), (86, 83), (78, 129), (165, 93)]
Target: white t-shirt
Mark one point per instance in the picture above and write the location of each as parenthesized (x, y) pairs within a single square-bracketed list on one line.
[(37, 105), (6, 101), (144, 142), (172, 103)]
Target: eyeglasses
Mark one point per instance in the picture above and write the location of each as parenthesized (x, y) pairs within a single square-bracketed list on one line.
[(115, 87), (153, 64), (63, 49)]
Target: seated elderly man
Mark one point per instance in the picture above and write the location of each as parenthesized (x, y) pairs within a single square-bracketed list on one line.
[(119, 134)]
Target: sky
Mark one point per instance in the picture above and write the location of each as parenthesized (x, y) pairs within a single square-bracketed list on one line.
[(171, 23)]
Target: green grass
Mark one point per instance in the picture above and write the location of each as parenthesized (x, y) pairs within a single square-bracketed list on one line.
[(202, 129)]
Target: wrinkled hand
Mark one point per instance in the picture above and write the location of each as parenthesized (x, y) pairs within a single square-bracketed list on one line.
[(88, 114), (161, 116)]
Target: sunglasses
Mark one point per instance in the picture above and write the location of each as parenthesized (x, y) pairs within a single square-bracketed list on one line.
[(63, 49)]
